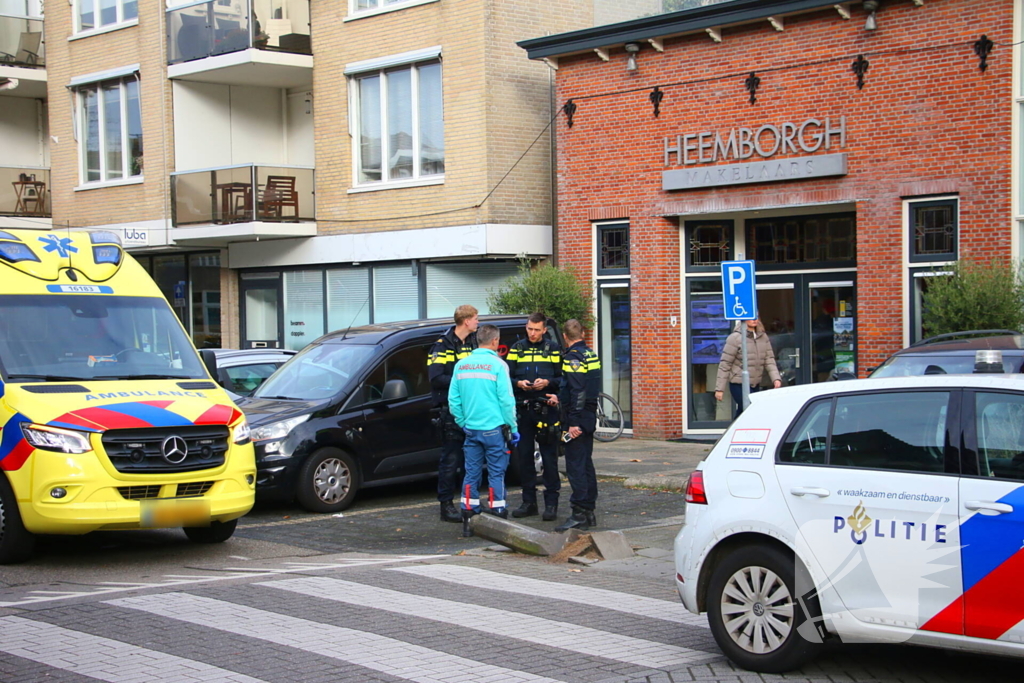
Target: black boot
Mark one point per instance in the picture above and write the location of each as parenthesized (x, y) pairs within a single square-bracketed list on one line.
[(591, 518), (525, 510), (550, 513), (467, 530), (578, 520), (449, 513)]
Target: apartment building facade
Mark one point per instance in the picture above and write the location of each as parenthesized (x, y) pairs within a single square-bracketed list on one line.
[(287, 167), (852, 150)]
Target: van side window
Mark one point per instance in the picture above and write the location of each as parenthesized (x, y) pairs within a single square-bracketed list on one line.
[(999, 424), (891, 431), (807, 441), (408, 364)]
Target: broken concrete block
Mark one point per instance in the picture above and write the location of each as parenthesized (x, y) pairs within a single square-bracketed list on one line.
[(612, 545), (516, 536), (579, 559)]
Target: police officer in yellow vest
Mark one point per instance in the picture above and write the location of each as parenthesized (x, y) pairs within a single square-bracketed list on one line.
[(535, 365), (581, 383)]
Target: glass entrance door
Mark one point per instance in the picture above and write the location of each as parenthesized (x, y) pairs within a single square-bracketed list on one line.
[(261, 296), (614, 347)]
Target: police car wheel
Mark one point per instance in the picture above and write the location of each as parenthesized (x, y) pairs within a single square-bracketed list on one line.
[(217, 532), (754, 613), (328, 481), (16, 544)]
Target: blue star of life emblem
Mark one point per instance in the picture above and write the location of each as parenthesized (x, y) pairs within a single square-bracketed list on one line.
[(61, 245)]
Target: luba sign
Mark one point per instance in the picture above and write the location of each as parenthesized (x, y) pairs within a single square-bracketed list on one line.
[(695, 150)]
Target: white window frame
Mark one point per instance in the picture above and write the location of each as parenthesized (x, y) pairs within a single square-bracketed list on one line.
[(119, 22), (382, 7), (918, 269), (83, 172), (380, 68)]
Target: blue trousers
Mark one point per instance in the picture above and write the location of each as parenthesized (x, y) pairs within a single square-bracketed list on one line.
[(484, 446), (737, 395)]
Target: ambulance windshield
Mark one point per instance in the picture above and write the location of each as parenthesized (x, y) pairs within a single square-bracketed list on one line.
[(75, 337)]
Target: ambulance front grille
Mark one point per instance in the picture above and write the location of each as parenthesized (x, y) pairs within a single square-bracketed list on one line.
[(166, 449), (138, 492), (194, 488)]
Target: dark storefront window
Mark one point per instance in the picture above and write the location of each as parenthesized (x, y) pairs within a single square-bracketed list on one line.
[(171, 275), (788, 241), (933, 231), (613, 249), (204, 272), (708, 243), (708, 330), (615, 347)]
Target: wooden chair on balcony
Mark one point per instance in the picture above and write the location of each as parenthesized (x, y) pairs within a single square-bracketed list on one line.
[(278, 194)]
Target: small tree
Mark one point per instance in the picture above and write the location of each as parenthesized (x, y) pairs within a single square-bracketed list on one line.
[(555, 292), (976, 296)]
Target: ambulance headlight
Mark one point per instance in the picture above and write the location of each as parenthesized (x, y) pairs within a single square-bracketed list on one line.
[(242, 432), (48, 438), (278, 430)]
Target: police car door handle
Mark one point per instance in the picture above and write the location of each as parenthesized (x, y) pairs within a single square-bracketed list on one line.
[(988, 506), (809, 491)]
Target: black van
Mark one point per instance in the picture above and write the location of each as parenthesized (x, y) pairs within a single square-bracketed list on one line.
[(351, 410)]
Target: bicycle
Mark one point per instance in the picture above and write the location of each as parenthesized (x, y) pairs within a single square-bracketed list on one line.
[(610, 421)]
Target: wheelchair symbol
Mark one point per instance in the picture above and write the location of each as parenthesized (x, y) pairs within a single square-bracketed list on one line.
[(738, 310)]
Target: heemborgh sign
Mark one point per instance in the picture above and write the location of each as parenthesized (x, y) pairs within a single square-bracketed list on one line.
[(695, 150)]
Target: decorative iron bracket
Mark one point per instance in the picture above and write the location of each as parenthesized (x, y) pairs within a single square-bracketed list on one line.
[(983, 48), (656, 96), (570, 109), (860, 67), (752, 84)]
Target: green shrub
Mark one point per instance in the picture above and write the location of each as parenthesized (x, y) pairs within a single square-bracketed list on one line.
[(556, 292), (976, 296)]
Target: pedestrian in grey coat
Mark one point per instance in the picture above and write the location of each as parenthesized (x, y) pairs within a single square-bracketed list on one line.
[(760, 357)]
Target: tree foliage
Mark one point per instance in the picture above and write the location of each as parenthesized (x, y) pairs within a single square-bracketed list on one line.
[(555, 292), (976, 296)]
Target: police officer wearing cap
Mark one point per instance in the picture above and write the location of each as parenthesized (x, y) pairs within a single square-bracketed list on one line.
[(581, 383), (457, 343), (535, 365)]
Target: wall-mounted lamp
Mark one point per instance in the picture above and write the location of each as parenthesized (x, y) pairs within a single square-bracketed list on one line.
[(631, 50), (870, 6)]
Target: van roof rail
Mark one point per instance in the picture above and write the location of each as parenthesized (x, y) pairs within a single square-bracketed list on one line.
[(967, 333)]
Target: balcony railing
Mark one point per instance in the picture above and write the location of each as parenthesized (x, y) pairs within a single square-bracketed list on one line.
[(21, 42), (24, 191), (211, 28), (241, 194)]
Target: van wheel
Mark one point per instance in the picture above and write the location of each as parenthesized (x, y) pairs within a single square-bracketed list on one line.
[(217, 532), (16, 544), (754, 611), (328, 481)]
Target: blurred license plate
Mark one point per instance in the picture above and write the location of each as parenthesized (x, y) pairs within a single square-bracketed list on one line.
[(176, 512)]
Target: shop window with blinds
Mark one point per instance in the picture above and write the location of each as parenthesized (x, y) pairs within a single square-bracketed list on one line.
[(708, 243), (303, 307), (784, 241), (613, 249), (933, 230), (450, 285), (396, 293), (348, 298)]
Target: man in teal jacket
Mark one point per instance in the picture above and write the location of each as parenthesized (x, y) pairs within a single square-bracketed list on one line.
[(480, 399)]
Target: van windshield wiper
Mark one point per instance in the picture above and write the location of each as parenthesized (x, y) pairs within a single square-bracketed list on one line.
[(283, 398), (50, 378)]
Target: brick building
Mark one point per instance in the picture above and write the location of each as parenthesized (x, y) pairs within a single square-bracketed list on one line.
[(851, 149), (286, 167)]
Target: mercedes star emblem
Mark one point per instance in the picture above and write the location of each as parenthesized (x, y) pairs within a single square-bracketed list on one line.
[(174, 449)]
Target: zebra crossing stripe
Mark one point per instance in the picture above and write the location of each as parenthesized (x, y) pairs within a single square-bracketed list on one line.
[(103, 658), (369, 650), (581, 639), (552, 590)]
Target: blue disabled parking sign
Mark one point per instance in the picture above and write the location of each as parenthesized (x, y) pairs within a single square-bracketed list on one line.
[(738, 290)]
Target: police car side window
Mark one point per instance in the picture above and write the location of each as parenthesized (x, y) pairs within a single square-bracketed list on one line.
[(807, 441), (999, 424), (890, 431)]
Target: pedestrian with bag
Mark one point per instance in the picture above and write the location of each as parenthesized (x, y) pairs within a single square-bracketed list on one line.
[(457, 343), (481, 402), (760, 358), (535, 365)]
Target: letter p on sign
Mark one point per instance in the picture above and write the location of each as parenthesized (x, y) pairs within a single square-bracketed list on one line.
[(739, 291)]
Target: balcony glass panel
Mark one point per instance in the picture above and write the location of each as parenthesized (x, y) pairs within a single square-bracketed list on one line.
[(221, 26), (242, 194), (21, 42), (24, 191)]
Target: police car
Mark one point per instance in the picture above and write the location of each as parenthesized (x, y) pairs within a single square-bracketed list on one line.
[(880, 510)]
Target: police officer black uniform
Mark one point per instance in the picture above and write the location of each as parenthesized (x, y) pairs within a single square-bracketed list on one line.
[(535, 366), (457, 343), (581, 383)]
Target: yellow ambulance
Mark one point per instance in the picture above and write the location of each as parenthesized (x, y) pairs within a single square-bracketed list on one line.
[(108, 419)]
